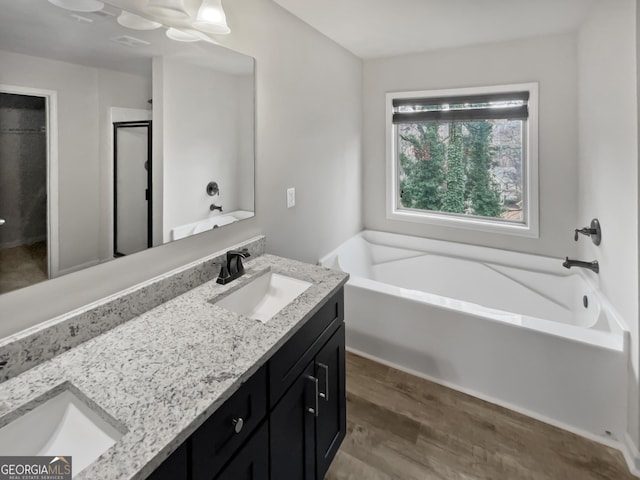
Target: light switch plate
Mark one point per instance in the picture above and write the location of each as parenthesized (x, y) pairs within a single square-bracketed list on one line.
[(291, 197)]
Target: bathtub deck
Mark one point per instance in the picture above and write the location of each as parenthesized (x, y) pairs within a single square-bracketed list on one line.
[(403, 427)]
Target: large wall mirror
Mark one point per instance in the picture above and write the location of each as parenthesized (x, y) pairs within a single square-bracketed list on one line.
[(114, 140)]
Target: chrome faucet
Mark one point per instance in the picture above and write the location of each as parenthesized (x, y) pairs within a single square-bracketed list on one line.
[(593, 266), (213, 207), (234, 267)]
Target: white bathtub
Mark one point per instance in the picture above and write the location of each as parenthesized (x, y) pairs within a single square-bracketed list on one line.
[(212, 221), (507, 327)]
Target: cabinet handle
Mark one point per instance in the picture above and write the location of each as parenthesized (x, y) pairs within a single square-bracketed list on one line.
[(314, 410), (238, 423), (325, 394)]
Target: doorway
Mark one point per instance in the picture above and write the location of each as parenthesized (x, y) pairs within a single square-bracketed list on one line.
[(132, 184), (24, 244)]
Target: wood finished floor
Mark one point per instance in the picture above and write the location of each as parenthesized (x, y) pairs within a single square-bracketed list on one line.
[(22, 266), (403, 427)]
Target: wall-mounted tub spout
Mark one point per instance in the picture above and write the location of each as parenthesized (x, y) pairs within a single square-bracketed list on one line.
[(593, 266), (594, 231), (213, 207)]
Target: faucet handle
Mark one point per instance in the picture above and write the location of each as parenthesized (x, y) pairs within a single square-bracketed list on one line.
[(593, 230), (244, 253)]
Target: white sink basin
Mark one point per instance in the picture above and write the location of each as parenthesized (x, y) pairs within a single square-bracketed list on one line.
[(62, 426), (265, 296)]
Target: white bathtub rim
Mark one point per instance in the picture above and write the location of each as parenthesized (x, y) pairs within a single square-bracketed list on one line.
[(625, 445), (464, 251), (548, 265)]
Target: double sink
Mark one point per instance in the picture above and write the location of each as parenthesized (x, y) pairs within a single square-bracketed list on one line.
[(65, 422)]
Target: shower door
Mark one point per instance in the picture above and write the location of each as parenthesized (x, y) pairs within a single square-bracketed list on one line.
[(132, 228)]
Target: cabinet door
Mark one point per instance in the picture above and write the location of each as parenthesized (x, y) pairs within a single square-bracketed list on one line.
[(331, 424), (251, 461), (292, 430), (287, 364), (174, 467)]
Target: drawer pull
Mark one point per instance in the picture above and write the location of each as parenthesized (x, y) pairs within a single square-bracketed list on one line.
[(238, 423), (314, 410), (325, 394)]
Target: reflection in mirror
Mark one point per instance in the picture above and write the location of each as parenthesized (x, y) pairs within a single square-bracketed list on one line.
[(109, 138), (132, 175)]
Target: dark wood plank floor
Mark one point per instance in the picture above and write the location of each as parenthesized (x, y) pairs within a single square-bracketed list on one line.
[(403, 427)]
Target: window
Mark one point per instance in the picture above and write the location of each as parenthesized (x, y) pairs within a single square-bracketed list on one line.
[(465, 158)]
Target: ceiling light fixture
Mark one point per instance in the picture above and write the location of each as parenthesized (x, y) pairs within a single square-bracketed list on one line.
[(79, 5), (183, 35), (136, 22), (168, 8), (211, 18)]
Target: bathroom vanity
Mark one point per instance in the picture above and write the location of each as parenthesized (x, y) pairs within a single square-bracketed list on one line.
[(285, 422), (198, 391)]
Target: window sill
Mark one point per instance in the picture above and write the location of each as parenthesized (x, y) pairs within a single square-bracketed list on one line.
[(471, 224)]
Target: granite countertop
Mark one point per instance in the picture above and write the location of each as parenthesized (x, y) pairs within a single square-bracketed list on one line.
[(162, 374)]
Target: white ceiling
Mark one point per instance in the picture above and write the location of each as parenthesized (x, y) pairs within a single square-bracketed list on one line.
[(382, 28)]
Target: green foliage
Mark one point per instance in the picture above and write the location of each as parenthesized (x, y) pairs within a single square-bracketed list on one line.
[(449, 174), (423, 165), (454, 196), (482, 190)]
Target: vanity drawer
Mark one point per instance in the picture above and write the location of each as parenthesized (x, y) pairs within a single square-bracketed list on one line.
[(215, 442), (288, 363)]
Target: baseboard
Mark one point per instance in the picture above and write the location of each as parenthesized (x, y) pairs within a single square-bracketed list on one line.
[(626, 445), (76, 268), (631, 455)]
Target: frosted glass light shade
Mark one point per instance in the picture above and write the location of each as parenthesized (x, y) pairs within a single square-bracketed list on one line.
[(183, 35), (211, 18), (136, 22), (168, 8), (79, 5)]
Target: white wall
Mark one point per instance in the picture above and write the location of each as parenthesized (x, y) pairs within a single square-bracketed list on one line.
[(308, 136), (202, 132), (245, 148), (309, 100), (551, 61), (608, 166)]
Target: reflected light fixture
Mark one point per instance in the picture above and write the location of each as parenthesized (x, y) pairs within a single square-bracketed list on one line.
[(79, 5), (167, 8), (183, 35), (136, 22), (211, 18)]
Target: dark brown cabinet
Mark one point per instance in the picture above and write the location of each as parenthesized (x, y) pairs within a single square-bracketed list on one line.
[(286, 422), (309, 423), (331, 422), (252, 461), (222, 434), (173, 468), (293, 428)]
